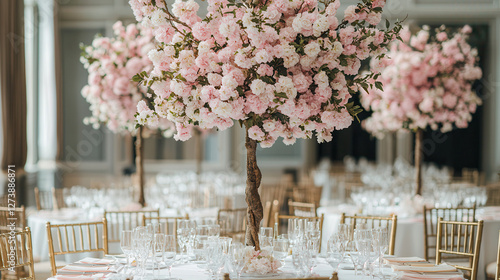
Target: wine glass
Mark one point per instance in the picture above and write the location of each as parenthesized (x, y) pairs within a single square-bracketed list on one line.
[(238, 257), (169, 253), (266, 237), (335, 251), (183, 232), (158, 246), (215, 255), (126, 244), (280, 249)]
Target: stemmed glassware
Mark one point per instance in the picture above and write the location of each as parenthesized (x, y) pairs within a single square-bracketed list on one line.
[(141, 244), (215, 256), (126, 244), (336, 251), (363, 241), (169, 253), (380, 244), (237, 252), (158, 246), (280, 248), (184, 233)]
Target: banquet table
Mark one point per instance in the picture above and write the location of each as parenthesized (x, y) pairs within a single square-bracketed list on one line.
[(410, 233), (37, 221), (195, 271)]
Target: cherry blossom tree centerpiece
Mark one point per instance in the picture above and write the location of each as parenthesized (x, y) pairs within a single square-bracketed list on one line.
[(427, 83), (280, 68), (113, 96)]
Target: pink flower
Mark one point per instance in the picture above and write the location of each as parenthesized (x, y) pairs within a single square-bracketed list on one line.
[(256, 133)]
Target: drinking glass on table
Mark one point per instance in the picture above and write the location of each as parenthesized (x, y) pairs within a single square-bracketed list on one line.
[(183, 233), (266, 237), (380, 244), (215, 256), (237, 252), (335, 251), (169, 253), (363, 240), (126, 244), (158, 246), (141, 247), (280, 249)]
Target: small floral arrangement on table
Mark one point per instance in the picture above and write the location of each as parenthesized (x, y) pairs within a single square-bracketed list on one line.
[(260, 262)]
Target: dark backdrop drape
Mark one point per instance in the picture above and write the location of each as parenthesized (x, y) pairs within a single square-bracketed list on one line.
[(13, 84)]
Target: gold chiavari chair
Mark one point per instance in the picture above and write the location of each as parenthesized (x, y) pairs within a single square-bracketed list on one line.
[(270, 208), (493, 193), (14, 264), (118, 221), (76, 238), (168, 225), (48, 200), (58, 198), (390, 222), (233, 223), (431, 218), (461, 239), (272, 193), (17, 216), (301, 209), (43, 200), (307, 194), (281, 219)]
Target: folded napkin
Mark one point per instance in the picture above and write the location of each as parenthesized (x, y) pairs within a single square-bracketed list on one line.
[(436, 268), (78, 268), (403, 259), (79, 277), (416, 276), (97, 261)]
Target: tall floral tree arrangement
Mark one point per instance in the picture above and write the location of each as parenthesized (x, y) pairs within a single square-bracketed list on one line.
[(280, 68), (113, 96), (427, 81)]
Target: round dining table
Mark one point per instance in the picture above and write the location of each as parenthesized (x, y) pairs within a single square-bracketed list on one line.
[(410, 233)]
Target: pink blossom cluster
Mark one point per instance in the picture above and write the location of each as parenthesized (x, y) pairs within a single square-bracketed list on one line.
[(281, 68), (111, 63), (260, 262), (427, 82)]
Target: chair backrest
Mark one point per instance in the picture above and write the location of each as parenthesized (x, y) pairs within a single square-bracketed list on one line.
[(281, 219), (301, 209), (431, 218), (58, 198), (76, 238), (12, 219), (272, 193), (233, 222), (43, 200), (168, 225), (125, 220), (21, 257), (390, 222), (307, 193), (497, 272), (493, 194), (462, 239), (270, 209)]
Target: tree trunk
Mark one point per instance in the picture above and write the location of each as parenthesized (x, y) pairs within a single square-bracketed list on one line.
[(199, 151), (139, 165), (254, 209), (418, 160)]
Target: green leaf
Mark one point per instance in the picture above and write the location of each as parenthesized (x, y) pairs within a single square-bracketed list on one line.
[(267, 79), (137, 78), (379, 85), (280, 94)]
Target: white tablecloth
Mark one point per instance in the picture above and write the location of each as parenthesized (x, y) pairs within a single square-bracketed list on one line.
[(410, 234), (37, 222), (193, 271)]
